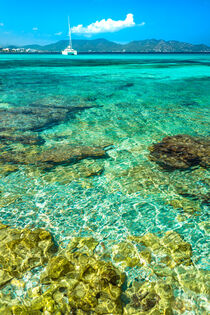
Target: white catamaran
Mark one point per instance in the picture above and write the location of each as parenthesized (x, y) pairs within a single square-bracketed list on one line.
[(69, 50)]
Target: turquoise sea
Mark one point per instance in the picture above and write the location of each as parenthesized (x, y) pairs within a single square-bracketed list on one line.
[(122, 105)]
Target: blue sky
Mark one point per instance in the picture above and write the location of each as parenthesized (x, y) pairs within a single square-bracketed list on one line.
[(45, 21)]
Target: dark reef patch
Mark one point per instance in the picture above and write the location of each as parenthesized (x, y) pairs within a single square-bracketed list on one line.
[(181, 152), (25, 138), (126, 85), (36, 118), (49, 158)]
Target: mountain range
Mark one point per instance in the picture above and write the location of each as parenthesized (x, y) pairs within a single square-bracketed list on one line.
[(141, 46)]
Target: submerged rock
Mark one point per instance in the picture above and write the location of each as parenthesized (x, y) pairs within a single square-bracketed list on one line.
[(89, 284), (169, 271), (173, 189), (76, 280), (6, 169), (48, 158), (150, 298), (35, 118), (193, 193), (171, 246), (76, 284), (205, 225), (84, 169), (194, 279), (127, 255), (181, 152), (22, 250), (69, 154), (24, 138), (85, 245)]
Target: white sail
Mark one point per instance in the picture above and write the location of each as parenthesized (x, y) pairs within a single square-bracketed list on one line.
[(70, 41), (69, 49)]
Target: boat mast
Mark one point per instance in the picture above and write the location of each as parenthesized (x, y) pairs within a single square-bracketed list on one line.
[(70, 41)]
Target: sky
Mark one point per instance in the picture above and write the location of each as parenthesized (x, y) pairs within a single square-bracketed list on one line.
[(46, 21)]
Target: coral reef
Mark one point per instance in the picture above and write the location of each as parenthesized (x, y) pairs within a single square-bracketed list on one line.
[(181, 152)]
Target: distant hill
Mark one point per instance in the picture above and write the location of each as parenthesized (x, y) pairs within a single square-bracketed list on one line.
[(83, 45), (153, 45), (103, 45)]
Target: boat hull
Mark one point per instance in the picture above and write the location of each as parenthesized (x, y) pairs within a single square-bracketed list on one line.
[(67, 53)]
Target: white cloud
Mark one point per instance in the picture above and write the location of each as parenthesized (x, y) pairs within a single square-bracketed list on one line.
[(59, 33), (35, 28), (105, 26), (1, 24)]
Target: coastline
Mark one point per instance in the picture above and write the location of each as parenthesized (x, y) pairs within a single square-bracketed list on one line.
[(111, 53)]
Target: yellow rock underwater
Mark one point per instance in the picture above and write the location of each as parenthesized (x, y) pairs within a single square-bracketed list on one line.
[(73, 282), (171, 247), (22, 250), (150, 298), (76, 280)]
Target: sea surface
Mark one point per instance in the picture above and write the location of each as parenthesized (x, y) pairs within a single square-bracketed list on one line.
[(122, 104)]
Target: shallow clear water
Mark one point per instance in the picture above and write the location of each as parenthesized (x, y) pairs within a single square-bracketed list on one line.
[(135, 100)]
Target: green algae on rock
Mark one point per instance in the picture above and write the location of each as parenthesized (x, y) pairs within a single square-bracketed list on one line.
[(85, 245), (205, 226), (171, 270)]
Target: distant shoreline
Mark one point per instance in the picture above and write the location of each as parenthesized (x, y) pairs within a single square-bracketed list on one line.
[(108, 53)]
